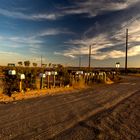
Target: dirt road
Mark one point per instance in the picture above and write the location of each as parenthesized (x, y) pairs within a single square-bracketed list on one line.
[(105, 112)]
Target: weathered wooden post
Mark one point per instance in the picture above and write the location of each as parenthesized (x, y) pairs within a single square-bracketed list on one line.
[(104, 77), (12, 73), (22, 77), (42, 76), (54, 73), (48, 73)]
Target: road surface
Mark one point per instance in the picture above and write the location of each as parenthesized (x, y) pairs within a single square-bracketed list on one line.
[(102, 112)]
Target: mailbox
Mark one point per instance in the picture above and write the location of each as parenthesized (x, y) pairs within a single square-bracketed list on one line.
[(12, 72), (79, 72), (48, 73), (85, 74), (22, 76), (101, 73), (54, 72), (42, 75)]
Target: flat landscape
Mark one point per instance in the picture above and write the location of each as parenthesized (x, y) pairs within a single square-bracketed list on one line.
[(108, 112)]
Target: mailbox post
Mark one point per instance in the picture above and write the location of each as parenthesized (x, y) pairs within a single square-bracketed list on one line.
[(48, 73), (54, 73), (11, 73), (22, 77), (117, 67), (42, 75)]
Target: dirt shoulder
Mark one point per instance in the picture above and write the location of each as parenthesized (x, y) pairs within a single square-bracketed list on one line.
[(118, 123), (38, 93)]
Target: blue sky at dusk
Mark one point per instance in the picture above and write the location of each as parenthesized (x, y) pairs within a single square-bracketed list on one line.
[(62, 30)]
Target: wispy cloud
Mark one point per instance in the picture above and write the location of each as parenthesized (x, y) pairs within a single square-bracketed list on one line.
[(24, 40), (22, 15), (90, 7), (53, 31), (106, 45), (93, 8)]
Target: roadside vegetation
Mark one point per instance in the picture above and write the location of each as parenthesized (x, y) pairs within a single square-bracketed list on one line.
[(65, 78)]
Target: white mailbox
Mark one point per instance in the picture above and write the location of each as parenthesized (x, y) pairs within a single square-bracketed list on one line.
[(22, 76), (43, 75), (48, 73), (101, 73), (54, 72), (12, 72), (79, 72), (117, 65)]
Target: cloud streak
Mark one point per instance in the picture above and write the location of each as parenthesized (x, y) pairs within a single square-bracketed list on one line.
[(34, 17), (90, 7), (93, 7), (106, 45)]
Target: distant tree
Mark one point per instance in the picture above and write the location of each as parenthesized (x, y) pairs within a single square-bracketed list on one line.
[(35, 64), (44, 65), (27, 63), (11, 65), (59, 65), (50, 64), (53, 65), (20, 63)]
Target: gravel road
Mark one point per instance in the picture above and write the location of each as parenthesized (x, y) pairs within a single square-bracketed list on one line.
[(101, 112)]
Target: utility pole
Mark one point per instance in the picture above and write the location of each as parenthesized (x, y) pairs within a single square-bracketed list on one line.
[(126, 51), (79, 61), (89, 57), (41, 61)]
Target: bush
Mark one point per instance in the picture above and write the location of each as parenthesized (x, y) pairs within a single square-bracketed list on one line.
[(11, 82), (64, 77)]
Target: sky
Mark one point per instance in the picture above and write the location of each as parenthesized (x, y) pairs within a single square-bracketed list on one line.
[(61, 31)]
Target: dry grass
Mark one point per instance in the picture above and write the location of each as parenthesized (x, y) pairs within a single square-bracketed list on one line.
[(137, 75), (53, 91), (37, 93)]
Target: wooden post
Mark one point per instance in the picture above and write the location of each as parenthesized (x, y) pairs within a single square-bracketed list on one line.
[(54, 81), (41, 83), (126, 51), (48, 82), (89, 57), (20, 85)]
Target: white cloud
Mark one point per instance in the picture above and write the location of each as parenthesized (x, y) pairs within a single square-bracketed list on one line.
[(90, 7), (93, 8), (44, 16), (52, 31), (21, 15), (134, 51), (16, 39), (102, 41)]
